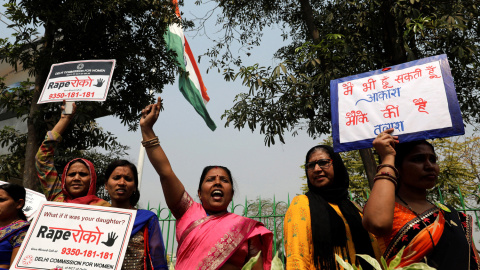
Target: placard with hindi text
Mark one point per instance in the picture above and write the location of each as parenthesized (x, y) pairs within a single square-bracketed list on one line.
[(417, 99)]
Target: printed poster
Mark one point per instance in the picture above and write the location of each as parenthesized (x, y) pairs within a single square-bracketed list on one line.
[(417, 99), (76, 237), (87, 80)]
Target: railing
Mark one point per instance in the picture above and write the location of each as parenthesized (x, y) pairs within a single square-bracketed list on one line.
[(271, 213)]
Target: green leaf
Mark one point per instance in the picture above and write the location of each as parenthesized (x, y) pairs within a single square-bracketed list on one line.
[(251, 262), (371, 261), (384, 263), (343, 263), (396, 261), (276, 263)]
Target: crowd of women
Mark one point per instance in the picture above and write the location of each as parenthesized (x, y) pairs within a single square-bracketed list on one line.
[(318, 225)]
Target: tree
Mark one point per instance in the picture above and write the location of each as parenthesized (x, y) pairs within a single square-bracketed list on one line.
[(458, 181), (129, 31), (334, 39), (11, 168)]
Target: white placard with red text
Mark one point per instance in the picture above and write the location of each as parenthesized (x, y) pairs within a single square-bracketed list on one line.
[(33, 200), (76, 237), (417, 99), (87, 80)]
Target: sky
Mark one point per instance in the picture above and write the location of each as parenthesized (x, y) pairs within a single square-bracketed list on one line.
[(190, 145)]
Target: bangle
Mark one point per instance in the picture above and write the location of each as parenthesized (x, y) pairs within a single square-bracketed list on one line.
[(151, 143), (385, 177), (386, 173), (388, 166)]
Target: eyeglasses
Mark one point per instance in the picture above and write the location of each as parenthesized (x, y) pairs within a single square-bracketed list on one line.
[(322, 163)]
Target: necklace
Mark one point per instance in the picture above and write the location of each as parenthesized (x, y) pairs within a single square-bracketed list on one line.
[(418, 216)]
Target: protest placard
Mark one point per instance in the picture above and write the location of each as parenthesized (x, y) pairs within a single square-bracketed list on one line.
[(33, 200), (76, 237), (417, 99), (87, 80)]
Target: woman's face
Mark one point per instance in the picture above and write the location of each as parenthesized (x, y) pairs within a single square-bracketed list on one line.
[(320, 176), (121, 185), (77, 180), (216, 191), (419, 169), (8, 207)]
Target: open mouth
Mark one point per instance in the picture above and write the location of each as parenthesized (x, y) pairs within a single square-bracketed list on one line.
[(217, 194)]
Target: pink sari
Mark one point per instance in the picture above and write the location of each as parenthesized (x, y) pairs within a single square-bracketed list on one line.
[(208, 242)]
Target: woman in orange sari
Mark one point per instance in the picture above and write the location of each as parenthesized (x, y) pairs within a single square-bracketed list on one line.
[(400, 215)]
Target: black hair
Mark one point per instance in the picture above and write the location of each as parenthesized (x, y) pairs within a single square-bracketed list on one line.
[(17, 193), (403, 149), (120, 163), (208, 168)]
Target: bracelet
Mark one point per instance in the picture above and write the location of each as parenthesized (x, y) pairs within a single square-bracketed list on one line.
[(152, 145), (386, 173), (385, 177), (388, 166), (151, 142)]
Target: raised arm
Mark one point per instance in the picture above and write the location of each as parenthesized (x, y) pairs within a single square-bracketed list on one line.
[(378, 212), (44, 159), (172, 187)]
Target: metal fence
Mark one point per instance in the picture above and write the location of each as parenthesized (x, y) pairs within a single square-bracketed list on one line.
[(271, 213)]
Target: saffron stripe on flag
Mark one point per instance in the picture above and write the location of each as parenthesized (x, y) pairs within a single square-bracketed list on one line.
[(190, 81)]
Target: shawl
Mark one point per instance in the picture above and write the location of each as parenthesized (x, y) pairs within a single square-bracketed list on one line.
[(148, 219)]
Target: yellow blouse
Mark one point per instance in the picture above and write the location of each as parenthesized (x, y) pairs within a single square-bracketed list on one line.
[(298, 236)]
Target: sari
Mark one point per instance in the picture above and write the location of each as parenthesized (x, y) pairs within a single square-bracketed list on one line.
[(54, 187), (145, 249), (11, 236), (209, 241), (440, 238), (298, 237)]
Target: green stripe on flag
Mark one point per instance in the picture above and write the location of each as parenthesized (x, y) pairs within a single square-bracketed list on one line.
[(187, 87)]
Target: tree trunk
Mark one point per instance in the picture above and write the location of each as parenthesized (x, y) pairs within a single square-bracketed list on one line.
[(369, 164), (310, 20), (29, 172), (33, 143)]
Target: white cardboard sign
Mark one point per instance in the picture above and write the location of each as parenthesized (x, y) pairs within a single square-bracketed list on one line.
[(76, 237), (417, 99), (87, 80)]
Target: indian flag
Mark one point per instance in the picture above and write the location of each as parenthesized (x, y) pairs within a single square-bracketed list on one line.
[(190, 81)]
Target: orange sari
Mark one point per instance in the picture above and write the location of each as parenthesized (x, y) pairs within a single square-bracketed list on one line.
[(436, 237)]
